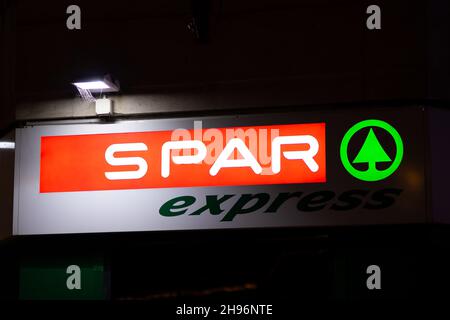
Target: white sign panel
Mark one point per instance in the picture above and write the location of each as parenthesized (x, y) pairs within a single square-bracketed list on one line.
[(308, 169)]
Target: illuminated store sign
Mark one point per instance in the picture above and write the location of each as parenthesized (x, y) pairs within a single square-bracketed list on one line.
[(294, 169)]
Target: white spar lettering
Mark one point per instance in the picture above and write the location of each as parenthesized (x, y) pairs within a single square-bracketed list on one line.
[(126, 161), (222, 161), (307, 156), (173, 145), (248, 159)]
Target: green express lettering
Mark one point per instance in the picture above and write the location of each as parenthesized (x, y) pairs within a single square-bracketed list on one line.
[(315, 201), (242, 207), (382, 199), (312, 202), (176, 206), (213, 205), (349, 200), (280, 199)]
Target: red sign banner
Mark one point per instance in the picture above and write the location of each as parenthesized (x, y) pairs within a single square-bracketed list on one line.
[(257, 155)]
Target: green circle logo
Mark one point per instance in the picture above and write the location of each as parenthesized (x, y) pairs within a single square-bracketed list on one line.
[(371, 151)]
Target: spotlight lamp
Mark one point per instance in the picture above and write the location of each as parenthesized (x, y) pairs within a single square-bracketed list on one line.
[(104, 85), (103, 106)]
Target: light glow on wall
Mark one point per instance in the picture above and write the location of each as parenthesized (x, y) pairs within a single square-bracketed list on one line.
[(7, 145)]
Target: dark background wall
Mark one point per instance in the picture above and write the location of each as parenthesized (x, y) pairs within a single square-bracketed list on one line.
[(7, 64), (7, 115), (256, 54)]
